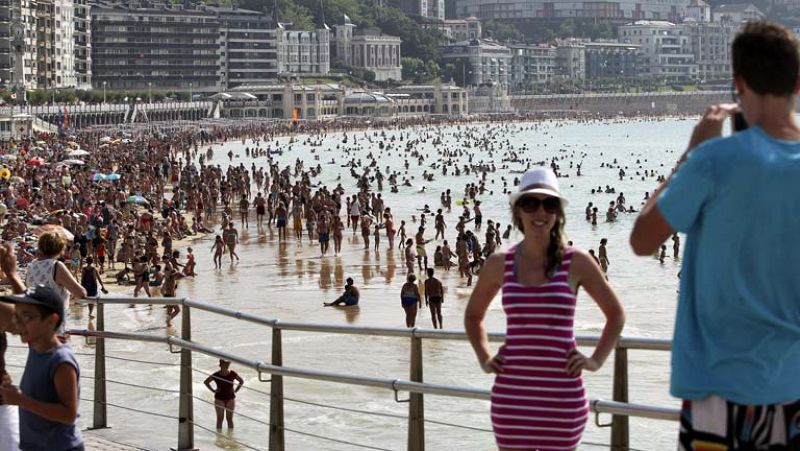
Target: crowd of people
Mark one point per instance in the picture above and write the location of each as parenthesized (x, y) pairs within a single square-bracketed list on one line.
[(82, 211)]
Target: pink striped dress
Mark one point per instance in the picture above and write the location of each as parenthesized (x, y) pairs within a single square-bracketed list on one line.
[(536, 405)]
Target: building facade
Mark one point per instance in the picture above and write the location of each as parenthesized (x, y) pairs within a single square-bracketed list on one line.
[(527, 10), (737, 13), (532, 65), (425, 9), (248, 47), (612, 60), (55, 44), (479, 62), (303, 52), (379, 53), (711, 45), (571, 59), (83, 44), (666, 48), (18, 44), (139, 46)]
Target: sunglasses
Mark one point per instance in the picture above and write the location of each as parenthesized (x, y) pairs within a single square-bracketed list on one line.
[(531, 204)]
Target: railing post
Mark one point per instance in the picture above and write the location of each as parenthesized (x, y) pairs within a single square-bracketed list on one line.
[(416, 406), (100, 418), (276, 396), (186, 407), (620, 438)]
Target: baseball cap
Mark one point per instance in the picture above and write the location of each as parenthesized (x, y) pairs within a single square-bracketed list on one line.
[(38, 295), (538, 181)]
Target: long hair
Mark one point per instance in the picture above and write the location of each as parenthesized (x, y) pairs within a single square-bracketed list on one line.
[(555, 249)]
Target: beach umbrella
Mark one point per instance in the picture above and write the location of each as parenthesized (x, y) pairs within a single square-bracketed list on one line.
[(16, 179), (77, 153), (5, 173), (36, 161), (22, 202), (54, 228), (41, 143), (72, 144), (136, 199), (8, 156), (126, 141), (98, 177), (105, 139), (113, 177), (73, 162)]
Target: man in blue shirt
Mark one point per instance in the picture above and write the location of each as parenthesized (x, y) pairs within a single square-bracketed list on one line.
[(736, 348)]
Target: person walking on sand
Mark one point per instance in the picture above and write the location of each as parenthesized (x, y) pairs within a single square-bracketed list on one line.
[(231, 238), (539, 278), (410, 299), (434, 297), (736, 345), (224, 392)]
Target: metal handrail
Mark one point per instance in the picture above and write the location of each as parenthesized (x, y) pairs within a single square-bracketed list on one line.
[(620, 408), (597, 405), (638, 343)]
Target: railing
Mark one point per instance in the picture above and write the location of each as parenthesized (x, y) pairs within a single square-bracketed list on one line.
[(620, 408)]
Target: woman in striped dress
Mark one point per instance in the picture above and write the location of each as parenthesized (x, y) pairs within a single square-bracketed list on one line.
[(538, 399)]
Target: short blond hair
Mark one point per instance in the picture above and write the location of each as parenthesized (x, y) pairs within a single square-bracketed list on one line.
[(51, 244)]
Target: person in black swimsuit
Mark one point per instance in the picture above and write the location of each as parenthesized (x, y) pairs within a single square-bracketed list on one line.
[(224, 393)]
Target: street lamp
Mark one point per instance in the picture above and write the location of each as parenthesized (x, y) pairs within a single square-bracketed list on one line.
[(149, 92), (104, 92), (190, 91)]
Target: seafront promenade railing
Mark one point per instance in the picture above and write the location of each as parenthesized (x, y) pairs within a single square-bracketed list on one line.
[(620, 408)]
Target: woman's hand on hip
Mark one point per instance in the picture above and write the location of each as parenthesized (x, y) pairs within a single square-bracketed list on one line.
[(577, 362)]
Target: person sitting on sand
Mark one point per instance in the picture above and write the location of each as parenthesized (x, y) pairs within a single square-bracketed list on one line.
[(349, 298)]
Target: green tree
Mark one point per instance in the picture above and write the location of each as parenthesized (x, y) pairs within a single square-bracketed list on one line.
[(502, 32)]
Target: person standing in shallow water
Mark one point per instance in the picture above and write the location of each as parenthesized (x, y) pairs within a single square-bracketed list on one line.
[(224, 392), (539, 278), (434, 297), (410, 299)]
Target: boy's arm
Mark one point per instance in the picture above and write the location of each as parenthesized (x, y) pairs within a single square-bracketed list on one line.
[(64, 411)]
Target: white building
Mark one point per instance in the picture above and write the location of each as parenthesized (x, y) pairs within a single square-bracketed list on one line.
[(369, 49), (303, 52), (710, 43), (522, 10), (479, 62), (18, 45), (83, 44), (666, 47), (379, 53), (737, 13), (532, 64), (56, 44), (699, 11), (457, 30), (571, 59), (248, 47)]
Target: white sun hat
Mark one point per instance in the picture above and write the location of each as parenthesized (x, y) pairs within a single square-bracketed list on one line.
[(538, 181)]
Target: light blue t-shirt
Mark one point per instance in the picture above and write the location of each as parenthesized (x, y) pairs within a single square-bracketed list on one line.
[(737, 331)]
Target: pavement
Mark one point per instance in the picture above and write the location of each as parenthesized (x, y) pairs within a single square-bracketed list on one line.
[(95, 443)]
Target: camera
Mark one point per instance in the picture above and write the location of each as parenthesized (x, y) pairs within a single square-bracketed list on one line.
[(739, 122)]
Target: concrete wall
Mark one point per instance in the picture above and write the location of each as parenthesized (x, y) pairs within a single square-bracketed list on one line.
[(627, 104)]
